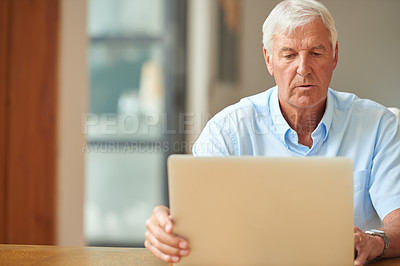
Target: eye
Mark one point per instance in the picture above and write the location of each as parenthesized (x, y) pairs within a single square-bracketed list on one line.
[(316, 54), (289, 56)]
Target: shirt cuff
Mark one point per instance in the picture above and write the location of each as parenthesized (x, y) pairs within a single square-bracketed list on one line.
[(388, 205)]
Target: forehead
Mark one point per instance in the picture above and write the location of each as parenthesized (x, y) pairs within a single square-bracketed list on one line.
[(310, 35)]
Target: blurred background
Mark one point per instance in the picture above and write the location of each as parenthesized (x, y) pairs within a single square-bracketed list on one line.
[(95, 94)]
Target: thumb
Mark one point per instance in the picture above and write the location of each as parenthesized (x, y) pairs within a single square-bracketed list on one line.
[(164, 218)]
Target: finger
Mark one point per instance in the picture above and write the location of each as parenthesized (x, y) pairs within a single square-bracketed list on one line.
[(361, 258), (161, 213), (358, 239), (361, 246), (164, 237), (165, 249), (160, 255)]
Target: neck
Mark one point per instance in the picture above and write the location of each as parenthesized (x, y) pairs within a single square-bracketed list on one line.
[(303, 120)]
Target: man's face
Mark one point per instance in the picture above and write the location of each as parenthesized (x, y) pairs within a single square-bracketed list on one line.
[(302, 64)]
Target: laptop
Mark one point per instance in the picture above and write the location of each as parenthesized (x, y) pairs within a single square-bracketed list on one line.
[(263, 210)]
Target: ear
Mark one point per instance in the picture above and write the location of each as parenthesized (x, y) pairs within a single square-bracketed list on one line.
[(268, 62), (335, 60)]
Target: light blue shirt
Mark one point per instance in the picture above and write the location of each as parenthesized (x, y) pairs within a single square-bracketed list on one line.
[(357, 128)]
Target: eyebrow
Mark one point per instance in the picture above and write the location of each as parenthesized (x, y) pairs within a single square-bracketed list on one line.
[(286, 49), (318, 47)]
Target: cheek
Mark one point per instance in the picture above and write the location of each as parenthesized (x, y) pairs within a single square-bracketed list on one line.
[(287, 75), (325, 73)]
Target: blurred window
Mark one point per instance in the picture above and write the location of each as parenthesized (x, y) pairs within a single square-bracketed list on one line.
[(136, 65)]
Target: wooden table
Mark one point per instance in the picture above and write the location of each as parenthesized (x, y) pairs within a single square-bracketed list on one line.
[(22, 255), (386, 262)]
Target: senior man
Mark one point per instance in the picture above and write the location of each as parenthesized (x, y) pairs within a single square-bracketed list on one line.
[(302, 116)]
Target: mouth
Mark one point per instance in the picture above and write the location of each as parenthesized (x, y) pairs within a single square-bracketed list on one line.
[(305, 86)]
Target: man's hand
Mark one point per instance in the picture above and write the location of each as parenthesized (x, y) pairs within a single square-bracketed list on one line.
[(160, 239), (366, 247)]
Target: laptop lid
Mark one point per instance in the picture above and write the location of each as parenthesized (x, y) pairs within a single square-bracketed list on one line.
[(262, 210)]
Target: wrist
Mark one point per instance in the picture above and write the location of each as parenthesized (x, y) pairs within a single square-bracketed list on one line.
[(382, 241), (380, 246)]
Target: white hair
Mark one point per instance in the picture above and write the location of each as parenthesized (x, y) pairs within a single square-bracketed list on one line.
[(291, 14)]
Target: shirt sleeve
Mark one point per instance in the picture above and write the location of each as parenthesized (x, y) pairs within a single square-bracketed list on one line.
[(215, 140), (384, 187)]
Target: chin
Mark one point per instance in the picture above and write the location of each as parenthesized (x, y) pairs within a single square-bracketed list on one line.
[(307, 103)]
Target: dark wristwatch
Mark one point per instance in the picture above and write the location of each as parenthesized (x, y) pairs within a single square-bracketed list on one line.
[(382, 234)]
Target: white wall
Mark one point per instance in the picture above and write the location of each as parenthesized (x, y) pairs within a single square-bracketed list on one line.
[(200, 22), (72, 102), (369, 61), (368, 44)]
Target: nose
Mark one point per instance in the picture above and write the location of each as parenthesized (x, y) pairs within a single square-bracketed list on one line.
[(304, 67)]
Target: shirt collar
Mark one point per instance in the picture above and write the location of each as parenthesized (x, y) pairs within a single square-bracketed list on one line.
[(281, 126), (279, 123), (328, 115)]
